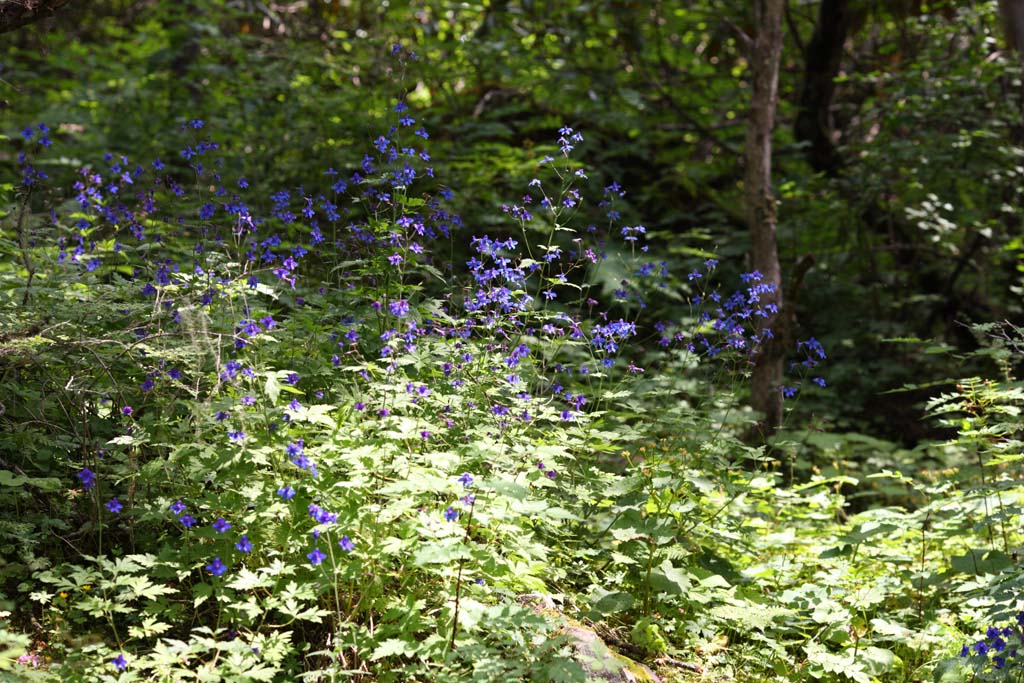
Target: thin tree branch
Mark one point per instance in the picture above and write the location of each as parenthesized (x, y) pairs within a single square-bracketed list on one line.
[(747, 41), (794, 29)]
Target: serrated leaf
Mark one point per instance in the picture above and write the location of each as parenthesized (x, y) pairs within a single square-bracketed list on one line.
[(202, 592), (155, 591), (294, 610), (272, 388), (746, 615), (392, 647), (246, 579), (149, 627), (876, 660), (440, 553), (263, 673), (619, 558), (866, 531), (841, 664), (626, 534), (316, 414)]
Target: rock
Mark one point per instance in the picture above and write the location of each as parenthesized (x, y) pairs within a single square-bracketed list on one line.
[(601, 663)]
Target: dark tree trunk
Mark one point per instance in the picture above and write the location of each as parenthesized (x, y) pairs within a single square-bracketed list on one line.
[(17, 13), (821, 66), (1013, 21), (766, 385)]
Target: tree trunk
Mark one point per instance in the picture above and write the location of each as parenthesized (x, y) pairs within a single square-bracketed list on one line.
[(1013, 21), (17, 13), (821, 66), (766, 385)]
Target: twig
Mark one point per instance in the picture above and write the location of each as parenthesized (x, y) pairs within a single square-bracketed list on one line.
[(685, 666), (791, 23), (744, 37)]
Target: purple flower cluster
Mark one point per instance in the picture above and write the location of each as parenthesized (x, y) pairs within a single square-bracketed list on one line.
[(733, 320), (324, 517), (221, 526), (40, 135), (112, 199), (812, 353), (516, 299), (468, 499), (1001, 647), (185, 519), (297, 455), (87, 477)]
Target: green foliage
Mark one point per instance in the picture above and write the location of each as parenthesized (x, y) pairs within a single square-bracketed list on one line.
[(870, 540)]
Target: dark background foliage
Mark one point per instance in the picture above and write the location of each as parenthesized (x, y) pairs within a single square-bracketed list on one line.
[(910, 210), (898, 173)]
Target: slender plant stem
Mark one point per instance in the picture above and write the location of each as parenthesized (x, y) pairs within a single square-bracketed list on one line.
[(458, 580)]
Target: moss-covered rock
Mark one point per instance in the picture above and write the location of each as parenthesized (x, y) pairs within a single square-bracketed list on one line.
[(601, 663)]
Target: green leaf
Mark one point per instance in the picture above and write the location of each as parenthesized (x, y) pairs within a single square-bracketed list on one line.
[(7, 478), (392, 647), (507, 488), (246, 579), (294, 610), (981, 561), (876, 660), (610, 602), (950, 671), (670, 580), (263, 673), (441, 553), (626, 534), (149, 627), (866, 531), (830, 612), (841, 664), (742, 615), (201, 593), (272, 388)]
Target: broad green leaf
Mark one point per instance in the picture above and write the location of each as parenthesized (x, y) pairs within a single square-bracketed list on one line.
[(441, 553), (149, 627), (202, 592), (272, 388), (669, 579), (981, 561), (246, 579), (611, 602), (875, 660), (392, 647)]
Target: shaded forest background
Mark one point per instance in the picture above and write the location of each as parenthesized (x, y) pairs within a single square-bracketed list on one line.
[(895, 164), (898, 172)]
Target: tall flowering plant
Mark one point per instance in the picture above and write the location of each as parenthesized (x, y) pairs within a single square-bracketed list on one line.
[(308, 422)]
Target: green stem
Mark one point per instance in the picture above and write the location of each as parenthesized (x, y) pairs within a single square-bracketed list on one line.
[(458, 581), (647, 583)]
